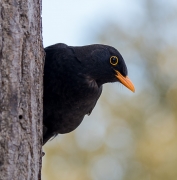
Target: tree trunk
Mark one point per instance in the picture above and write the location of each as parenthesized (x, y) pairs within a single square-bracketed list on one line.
[(21, 89)]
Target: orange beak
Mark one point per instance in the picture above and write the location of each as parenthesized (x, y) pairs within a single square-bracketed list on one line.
[(125, 81)]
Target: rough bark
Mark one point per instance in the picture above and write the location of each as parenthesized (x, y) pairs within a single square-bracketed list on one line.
[(21, 70)]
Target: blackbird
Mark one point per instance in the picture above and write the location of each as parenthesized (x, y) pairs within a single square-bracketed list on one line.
[(73, 79)]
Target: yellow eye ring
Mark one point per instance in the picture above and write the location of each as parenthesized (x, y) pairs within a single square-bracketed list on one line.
[(114, 60)]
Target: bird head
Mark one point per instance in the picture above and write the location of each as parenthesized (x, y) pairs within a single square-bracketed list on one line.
[(104, 64)]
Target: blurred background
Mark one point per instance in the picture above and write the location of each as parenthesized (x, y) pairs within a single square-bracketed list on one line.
[(128, 136)]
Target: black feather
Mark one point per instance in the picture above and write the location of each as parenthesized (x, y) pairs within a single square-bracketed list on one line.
[(73, 79)]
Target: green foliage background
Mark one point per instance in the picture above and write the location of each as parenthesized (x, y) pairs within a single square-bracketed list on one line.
[(128, 136)]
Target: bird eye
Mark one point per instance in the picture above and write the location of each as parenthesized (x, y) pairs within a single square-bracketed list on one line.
[(114, 60)]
